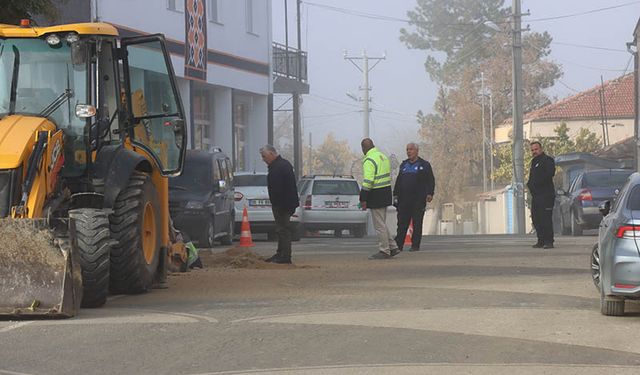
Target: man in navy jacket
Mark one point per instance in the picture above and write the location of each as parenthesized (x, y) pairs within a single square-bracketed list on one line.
[(414, 188)]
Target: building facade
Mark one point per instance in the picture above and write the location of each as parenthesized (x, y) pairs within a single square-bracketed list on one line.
[(221, 53)]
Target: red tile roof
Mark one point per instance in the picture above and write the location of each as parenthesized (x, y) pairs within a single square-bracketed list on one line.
[(618, 99)]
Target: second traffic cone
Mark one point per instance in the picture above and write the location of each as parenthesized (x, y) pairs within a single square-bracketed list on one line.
[(245, 230), (407, 238)]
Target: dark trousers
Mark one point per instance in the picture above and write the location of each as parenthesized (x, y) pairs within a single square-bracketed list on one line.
[(406, 213), (283, 231), (542, 217)]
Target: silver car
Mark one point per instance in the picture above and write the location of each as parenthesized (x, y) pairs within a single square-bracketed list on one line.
[(251, 192), (615, 259), (331, 203)]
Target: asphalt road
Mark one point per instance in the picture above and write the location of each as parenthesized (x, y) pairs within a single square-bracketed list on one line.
[(462, 305)]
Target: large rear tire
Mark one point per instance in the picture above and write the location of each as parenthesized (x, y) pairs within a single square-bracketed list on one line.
[(135, 225), (94, 242)]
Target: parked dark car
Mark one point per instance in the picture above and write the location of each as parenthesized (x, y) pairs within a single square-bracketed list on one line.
[(615, 259), (578, 207), (201, 198)]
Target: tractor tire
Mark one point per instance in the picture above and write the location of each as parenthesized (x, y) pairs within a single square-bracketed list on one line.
[(93, 239), (135, 225)]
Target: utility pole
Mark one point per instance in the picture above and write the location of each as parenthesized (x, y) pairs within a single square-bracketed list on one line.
[(365, 69), (491, 140), (310, 156), (484, 139), (518, 142)]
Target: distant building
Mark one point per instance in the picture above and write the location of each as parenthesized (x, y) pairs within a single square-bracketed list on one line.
[(583, 110), (221, 52)]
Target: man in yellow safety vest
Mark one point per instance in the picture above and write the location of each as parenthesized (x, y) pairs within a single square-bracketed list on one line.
[(376, 196)]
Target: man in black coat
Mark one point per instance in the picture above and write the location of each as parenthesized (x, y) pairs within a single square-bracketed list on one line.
[(543, 195), (414, 188), (283, 193)]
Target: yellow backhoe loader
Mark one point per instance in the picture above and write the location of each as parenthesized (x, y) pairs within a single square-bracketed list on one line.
[(91, 127)]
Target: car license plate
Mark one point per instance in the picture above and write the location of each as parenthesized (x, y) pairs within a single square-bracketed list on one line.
[(336, 204), (259, 202)]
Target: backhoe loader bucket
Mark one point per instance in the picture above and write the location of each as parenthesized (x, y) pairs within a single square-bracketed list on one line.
[(40, 273)]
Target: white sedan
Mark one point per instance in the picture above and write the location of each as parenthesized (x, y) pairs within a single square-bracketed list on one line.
[(251, 192)]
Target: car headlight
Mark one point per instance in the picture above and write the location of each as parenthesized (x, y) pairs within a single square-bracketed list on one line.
[(194, 205)]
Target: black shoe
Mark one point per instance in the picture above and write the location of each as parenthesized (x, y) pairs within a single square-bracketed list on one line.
[(281, 260), (395, 252), (538, 246), (414, 249), (379, 255), (548, 246), (271, 259)]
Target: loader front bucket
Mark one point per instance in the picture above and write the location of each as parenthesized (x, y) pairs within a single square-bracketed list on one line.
[(40, 274)]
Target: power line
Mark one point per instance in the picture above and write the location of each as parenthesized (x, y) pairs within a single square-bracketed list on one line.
[(590, 47), (532, 44), (331, 114), (379, 17), (583, 13)]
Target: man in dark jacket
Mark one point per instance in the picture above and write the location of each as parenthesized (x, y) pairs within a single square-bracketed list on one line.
[(414, 188), (543, 195), (283, 193)]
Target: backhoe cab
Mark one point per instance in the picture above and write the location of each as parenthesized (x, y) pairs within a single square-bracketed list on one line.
[(91, 126)]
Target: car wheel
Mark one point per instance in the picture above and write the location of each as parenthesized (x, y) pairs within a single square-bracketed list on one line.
[(296, 232), (576, 229), (564, 229), (359, 231), (208, 234), (227, 239), (595, 266), (611, 306)]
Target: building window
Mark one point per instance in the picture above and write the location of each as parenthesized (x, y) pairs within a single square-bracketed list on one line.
[(202, 115), (176, 5), (249, 16), (214, 11)]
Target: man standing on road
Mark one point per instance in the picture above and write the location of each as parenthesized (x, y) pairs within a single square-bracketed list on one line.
[(543, 195), (414, 188), (376, 196), (283, 193)]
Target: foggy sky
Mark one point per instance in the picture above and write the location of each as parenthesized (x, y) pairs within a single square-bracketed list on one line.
[(400, 84)]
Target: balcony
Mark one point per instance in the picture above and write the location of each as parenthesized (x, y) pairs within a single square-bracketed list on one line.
[(289, 70)]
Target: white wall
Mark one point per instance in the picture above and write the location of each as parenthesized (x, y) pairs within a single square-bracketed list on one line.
[(229, 38)]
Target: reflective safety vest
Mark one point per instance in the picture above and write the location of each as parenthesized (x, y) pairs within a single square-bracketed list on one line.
[(376, 170)]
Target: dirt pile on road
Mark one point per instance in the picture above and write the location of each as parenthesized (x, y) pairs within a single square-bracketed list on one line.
[(236, 257)]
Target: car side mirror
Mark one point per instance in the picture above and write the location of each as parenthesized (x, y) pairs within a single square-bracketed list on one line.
[(604, 208)]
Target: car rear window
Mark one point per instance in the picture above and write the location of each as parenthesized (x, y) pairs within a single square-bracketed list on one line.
[(605, 179), (250, 180), (333, 187)]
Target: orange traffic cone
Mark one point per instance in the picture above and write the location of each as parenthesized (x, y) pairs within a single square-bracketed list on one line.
[(407, 238), (245, 230)]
